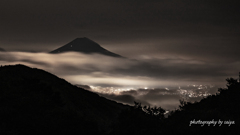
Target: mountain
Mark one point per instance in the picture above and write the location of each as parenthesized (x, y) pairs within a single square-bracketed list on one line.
[(84, 45), (33, 101), (2, 50)]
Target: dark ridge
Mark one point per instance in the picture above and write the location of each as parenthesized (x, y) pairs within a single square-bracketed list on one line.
[(33, 101), (84, 45)]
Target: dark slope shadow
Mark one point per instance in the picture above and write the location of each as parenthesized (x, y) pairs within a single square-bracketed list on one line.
[(33, 101)]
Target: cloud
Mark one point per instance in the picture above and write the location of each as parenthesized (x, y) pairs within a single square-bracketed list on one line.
[(92, 69), (151, 81), (168, 100)]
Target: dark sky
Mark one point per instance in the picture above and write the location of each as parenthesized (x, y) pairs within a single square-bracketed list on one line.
[(201, 29)]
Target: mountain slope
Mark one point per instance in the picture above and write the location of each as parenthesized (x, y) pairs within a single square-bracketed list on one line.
[(35, 101), (84, 45)]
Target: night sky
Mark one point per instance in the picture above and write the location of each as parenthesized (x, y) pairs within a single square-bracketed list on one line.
[(177, 42)]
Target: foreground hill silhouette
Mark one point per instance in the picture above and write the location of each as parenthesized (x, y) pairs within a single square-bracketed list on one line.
[(84, 45), (33, 101)]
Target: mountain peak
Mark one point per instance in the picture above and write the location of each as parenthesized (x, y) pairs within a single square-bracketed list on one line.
[(84, 45)]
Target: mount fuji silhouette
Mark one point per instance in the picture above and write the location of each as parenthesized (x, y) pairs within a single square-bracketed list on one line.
[(84, 45)]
